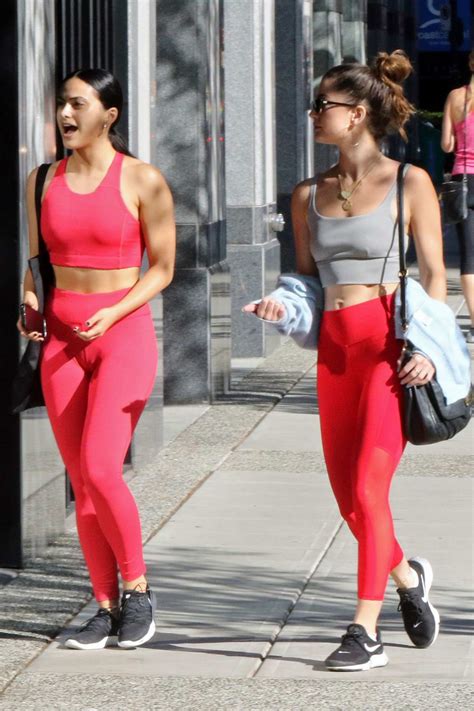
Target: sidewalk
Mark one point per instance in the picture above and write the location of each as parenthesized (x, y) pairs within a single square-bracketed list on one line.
[(254, 572)]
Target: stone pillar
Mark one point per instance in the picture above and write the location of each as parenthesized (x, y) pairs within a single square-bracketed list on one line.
[(377, 25), (141, 21), (253, 250), (294, 81), (32, 485), (354, 31), (190, 152)]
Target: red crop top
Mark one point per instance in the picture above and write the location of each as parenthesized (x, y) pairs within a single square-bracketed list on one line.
[(93, 230)]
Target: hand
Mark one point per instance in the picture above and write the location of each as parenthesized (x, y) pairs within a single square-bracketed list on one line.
[(268, 309), (31, 299), (419, 370), (97, 324)]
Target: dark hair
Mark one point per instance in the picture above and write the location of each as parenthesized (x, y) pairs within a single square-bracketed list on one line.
[(110, 95), (380, 87)]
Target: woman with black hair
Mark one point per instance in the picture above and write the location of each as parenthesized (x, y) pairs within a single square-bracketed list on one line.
[(101, 208)]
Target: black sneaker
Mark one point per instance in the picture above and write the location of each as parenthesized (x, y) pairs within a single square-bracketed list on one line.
[(357, 651), (137, 624), (95, 633), (420, 618)]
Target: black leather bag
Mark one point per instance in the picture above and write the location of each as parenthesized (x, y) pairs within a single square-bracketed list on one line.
[(427, 418), (26, 386), (454, 200), (454, 194)]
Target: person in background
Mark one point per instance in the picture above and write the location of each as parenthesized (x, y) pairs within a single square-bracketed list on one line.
[(458, 136)]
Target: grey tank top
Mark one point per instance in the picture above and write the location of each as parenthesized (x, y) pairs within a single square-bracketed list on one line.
[(356, 250)]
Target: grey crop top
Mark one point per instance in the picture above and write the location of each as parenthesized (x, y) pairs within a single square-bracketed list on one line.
[(355, 250)]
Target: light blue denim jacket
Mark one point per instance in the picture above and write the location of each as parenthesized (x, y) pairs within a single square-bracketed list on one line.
[(432, 327)]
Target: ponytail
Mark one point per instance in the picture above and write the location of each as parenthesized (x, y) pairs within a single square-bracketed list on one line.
[(118, 142)]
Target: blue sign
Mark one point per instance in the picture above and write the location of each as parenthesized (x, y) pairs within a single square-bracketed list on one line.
[(443, 26)]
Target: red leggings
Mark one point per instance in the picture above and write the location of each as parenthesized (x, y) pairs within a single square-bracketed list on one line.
[(95, 393), (359, 403)]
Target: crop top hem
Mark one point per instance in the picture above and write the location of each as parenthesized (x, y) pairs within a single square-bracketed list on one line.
[(336, 271), (88, 261)]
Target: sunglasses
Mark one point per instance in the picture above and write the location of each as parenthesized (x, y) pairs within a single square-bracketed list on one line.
[(320, 103)]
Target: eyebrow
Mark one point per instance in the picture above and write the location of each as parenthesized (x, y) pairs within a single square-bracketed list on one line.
[(71, 98)]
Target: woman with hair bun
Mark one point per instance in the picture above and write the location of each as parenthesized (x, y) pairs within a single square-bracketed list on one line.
[(458, 137), (101, 208), (344, 223)]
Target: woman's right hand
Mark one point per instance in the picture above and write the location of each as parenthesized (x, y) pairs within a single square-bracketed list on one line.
[(31, 299), (268, 309)]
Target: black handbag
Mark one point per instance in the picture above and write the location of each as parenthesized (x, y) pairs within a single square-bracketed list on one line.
[(427, 418), (26, 386), (454, 193)]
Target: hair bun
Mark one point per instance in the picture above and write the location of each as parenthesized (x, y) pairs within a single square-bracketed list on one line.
[(392, 68)]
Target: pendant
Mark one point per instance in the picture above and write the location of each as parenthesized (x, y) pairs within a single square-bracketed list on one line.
[(346, 205), (345, 194)]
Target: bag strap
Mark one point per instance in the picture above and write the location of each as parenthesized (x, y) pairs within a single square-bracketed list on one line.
[(402, 273), (39, 185), (464, 177)]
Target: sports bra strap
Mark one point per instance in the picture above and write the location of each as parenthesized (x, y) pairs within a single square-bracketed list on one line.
[(112, 177)]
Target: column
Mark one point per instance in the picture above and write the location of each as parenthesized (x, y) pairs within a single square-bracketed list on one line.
[(190, 153), (294, 85), (327, 34), (142, 127), (354, 31), (253, 250)]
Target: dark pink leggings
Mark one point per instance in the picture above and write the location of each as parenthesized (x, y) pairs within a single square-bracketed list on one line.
[(95, 393), (360, 412)]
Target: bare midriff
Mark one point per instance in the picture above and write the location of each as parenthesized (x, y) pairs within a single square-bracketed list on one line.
[(91, 281), (339, 296)]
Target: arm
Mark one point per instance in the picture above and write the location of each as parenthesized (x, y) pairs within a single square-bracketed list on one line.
[(425, 227), (158, 225), (448, 139), (299, 210), (29, 295)]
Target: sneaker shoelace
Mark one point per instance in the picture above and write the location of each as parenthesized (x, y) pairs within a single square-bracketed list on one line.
[(134, 605), (351, 639), (410, 604), (96, 622)]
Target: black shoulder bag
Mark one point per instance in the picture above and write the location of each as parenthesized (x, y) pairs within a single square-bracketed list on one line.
[(426, 416), (26, 386), (454, 193)]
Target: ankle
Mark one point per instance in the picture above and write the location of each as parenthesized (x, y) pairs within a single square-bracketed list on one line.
[(409, 581)]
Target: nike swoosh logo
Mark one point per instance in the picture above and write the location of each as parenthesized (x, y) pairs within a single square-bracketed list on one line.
[(371, 649), (425, 594), (417, 625)]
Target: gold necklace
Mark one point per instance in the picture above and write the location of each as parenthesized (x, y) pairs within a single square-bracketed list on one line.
[(345, 195)]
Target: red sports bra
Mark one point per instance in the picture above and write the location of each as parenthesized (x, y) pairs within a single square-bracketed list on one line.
[(93, 230)]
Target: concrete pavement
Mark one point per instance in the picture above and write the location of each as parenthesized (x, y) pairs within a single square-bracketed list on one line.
[(254, 572)]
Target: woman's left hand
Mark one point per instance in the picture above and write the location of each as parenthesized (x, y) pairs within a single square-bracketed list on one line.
[(419, 370), (97, 324)]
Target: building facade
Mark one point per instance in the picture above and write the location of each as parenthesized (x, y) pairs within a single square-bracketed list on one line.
[(217, 96)]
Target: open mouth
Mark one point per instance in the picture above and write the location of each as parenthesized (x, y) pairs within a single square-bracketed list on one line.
[(69, 129)]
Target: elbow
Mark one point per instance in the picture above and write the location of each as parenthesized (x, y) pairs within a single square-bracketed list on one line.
[(447, 145)]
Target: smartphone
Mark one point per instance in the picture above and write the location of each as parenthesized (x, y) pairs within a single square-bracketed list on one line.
[(32, 320)]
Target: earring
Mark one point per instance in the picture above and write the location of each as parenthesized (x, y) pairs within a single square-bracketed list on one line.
[(105, 125)]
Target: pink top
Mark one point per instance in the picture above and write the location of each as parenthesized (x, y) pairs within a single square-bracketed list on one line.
[(464, 154), (94, 230)]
